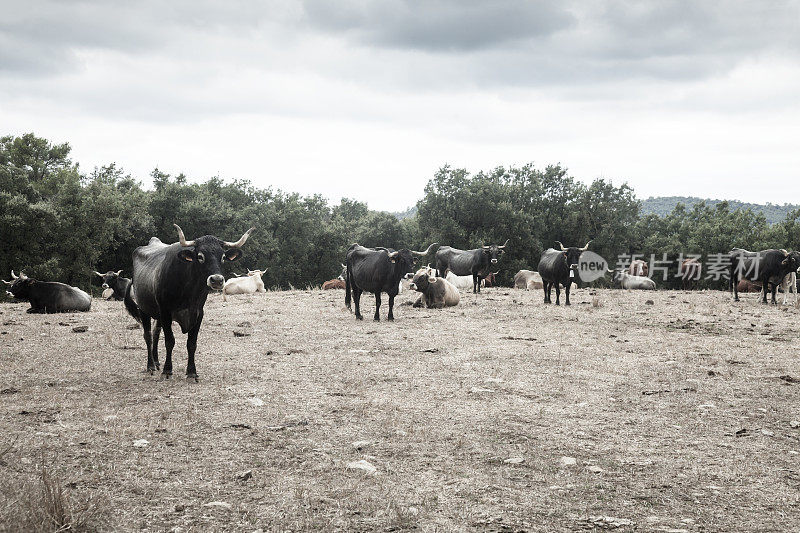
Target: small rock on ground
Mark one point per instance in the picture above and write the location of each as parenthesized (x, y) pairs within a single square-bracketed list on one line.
[(568, 461), (361, 464)]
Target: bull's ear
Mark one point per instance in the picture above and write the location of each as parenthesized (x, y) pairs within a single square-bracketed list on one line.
[(232, 254), (186, 254)]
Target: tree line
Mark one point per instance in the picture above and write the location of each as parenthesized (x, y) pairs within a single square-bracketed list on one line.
[(59, 223)]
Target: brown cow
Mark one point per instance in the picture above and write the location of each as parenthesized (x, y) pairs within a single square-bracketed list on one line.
[(436, 292), (746, 285), (638, 268), (689, 272), (491, 279), (333, 284)]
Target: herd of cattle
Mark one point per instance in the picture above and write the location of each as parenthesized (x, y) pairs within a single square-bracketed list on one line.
[(171, 282)]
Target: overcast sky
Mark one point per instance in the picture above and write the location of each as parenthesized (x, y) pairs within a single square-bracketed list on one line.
[(367, 99)]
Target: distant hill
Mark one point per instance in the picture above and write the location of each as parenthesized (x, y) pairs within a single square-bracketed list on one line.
[(408, 213), (663, 205)]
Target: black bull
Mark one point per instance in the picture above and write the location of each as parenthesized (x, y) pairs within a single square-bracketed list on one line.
[(47, 296), (766, 266), (112, 280), (555, 267), (377, 270), (475, 263), (171, 282)]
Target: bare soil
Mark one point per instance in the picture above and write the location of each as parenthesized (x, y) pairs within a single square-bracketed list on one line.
[(678, 414)]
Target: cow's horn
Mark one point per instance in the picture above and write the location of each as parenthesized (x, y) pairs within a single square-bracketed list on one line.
[(13, 276), (426, 252), (6, 282), (182, 237), (392, 255), (504, 244), (586, 247), (119, 272), (241, 241), (343, 265), (98, 273), (561, 245)]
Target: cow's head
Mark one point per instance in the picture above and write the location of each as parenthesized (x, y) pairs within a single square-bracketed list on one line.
[(206, 255), (405, 258), (493, 252), (791, 261), (109, 277), (344, 272), (573, 254), (20, 286), (256, 273), (422, 279)]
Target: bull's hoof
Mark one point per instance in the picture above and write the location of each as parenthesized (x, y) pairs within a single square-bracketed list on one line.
[(390, 319), (567, 303), (359, 317), (377, 319), (192, 378), (166, 375)]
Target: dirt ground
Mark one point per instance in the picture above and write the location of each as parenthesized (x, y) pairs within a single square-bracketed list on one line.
[(500, 414)]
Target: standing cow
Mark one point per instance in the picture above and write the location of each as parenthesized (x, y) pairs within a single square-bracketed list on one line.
[(559, 267), (171, 282), (377, 270), (47, 296), (770, 267), (475, 263), (112, 280), (436, 292), (248, 284)]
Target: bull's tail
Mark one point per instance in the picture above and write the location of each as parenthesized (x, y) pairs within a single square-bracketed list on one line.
[(347, 289), (130, 305)]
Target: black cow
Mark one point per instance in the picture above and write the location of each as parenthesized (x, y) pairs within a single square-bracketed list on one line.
[(559, 267), (377, 270), (113, 280), (767, 266), (473, 263), (171, 282), (47, 296)]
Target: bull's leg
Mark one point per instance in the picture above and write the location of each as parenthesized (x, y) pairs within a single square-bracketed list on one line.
[(546, 287), (774, 293), (191, 348), (566, 292), (148, 340), (558, 292), (156, 335), (357, 301), (169, 343), (377, 306), (391, 307)]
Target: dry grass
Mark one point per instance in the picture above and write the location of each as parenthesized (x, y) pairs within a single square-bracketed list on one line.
[(650, 400)]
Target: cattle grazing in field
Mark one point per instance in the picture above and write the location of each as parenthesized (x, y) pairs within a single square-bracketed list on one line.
[(689, 272), (377, 270), (333, 284), (435, 292), (638, 268), (171, 282), (461, 282), (112, 280), (249, 284), (47, 296), (491, 279), (559, 267), (475, 263), (769, 267), (624, 280), (745, 285), (528, 279), (789, 284)]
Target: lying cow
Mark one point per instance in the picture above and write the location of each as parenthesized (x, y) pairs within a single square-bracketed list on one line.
[(47, 296), (638, 268), (745, 285), (118, 285), (624, 280), (527, 279), (333, 284), (463, 283), (248, 284), (436, 292), (491, 279)]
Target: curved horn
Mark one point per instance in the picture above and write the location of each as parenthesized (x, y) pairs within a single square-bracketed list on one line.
[(182, 237), (561, 245), (426, 252), (6, 282), (241, 241), (485, 247), (587, 246), (496, 273), (119, 272), (13, 276), (98, 273), (343, 265), (392, 255), (504, 244)]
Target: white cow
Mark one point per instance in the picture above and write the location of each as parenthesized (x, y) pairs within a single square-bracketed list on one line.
[(789, 283), (462, 283), (527, 279), (248, 284)]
